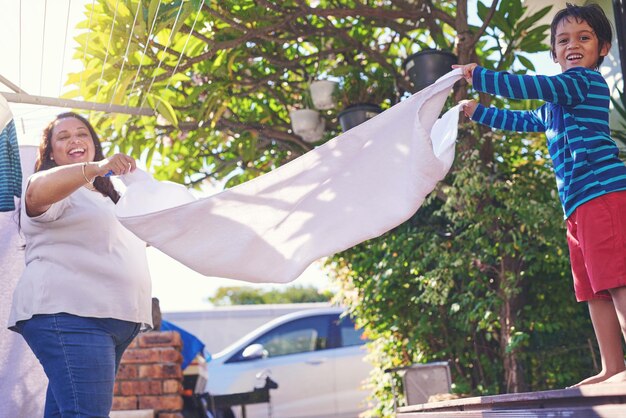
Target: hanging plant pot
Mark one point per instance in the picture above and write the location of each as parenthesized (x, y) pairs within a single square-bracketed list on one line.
[(322, 94), (356, 114), (425, 67), (308, 124)]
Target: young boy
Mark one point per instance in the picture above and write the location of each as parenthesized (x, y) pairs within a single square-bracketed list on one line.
[(591, 179)]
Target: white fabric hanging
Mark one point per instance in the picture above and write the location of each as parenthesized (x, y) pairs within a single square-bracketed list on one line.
[(10, 168), (355, 187), (22, 380)]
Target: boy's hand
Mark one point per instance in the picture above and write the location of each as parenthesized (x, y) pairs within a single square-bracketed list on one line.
[(467, 70), (468, 107)]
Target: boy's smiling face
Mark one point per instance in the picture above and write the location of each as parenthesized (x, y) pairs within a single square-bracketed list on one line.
[(576, 45)]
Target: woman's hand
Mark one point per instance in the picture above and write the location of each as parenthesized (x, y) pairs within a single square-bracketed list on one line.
[(117, 164), (467, 70), (468, 107)]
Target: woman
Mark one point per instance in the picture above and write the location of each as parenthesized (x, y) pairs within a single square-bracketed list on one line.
[(85, 291)]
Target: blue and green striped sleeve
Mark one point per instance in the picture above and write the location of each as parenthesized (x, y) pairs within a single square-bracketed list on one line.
[(568, 88), (510, 120)]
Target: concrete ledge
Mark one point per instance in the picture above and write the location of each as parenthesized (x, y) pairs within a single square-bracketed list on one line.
[(603, 411), (139, 413), (602, 400)]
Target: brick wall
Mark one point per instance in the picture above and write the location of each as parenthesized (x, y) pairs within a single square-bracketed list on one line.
[(150, 375)]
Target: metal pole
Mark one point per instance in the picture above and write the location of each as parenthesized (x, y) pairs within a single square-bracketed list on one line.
[(619, 10), (10, 85), (76, 104)]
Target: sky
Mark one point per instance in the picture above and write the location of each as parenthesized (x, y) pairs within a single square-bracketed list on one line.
[(36, 37)]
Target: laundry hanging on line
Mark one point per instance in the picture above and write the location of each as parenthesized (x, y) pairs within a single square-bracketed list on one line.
[(10, 167), (355, 187)]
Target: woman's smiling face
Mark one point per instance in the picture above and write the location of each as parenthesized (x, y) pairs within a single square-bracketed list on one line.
[(71, 142), (576, 45)]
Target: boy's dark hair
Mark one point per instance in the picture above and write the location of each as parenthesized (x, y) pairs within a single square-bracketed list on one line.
[(593, 15)]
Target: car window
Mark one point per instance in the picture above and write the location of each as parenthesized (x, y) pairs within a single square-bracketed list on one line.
[(348, 334), (298, 336)]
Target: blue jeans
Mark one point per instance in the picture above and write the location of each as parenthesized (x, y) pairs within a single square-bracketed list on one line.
[(80, 356)]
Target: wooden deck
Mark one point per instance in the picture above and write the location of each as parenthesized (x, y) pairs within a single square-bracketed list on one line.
[(594, 401)]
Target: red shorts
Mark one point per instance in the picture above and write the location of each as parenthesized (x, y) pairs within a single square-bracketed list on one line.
[(596, 237)]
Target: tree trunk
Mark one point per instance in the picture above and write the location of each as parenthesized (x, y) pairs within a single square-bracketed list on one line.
[(513, 300), (464, 45)]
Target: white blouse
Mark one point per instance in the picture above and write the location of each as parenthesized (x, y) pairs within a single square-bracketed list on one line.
[(80, 260)]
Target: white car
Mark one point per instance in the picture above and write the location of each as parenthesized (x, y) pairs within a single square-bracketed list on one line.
[(315, 357)]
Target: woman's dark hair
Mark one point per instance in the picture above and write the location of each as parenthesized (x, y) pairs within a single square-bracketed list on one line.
[(44, 162), (593, 15)]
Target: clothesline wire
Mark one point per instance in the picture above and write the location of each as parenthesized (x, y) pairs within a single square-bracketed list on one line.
[(156, 13), (169, 42), (67, 24), (43, 44), (130, 38), (80, 82), (185, 46), (23, 97), (106, 55)]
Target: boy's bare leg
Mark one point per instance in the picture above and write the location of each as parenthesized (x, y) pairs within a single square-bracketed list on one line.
[(619, 301), (608, 333)]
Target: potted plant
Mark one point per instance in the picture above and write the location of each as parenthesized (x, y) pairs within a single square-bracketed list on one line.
[(322, 94), (361, 95), (425, 67), (307, 122)]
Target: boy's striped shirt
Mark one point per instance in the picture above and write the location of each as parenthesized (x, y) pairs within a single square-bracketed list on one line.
[(575, 119)]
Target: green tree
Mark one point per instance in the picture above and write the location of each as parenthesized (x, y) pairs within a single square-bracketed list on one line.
[(480, 279), (226, 296), (478, 276), (225, 75)]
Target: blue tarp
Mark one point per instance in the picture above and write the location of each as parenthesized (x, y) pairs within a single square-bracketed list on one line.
[(192, 346)]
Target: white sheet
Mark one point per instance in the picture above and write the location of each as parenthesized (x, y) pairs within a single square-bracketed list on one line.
[(355, 187), (22, 380)]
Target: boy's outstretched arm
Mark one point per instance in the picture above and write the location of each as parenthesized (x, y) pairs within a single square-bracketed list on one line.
[(510, 120), (568, 88)]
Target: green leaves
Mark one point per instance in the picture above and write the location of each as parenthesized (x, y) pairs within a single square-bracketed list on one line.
[(164, 108), (477, 278), (513, 31), (227, 296)]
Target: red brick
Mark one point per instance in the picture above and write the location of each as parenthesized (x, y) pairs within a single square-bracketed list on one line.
[(160, 371), (171, 355), (172, 386), (121, 403), (133, 344), (141, 387), (160, 339), (142, 355), (116, 388), (170, 415), (127, 371), (166, 402)]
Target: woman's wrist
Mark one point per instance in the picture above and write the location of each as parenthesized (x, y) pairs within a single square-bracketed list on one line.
[(89, 171)]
